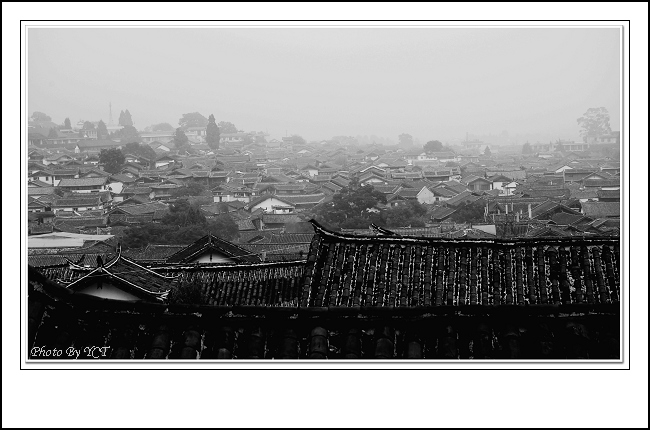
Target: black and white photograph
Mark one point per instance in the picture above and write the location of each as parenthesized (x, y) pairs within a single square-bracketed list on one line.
[(324, 195)]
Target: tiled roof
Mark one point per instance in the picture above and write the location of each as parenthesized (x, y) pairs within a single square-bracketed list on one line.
[(210, 242), (304, 199), (158, 253), (608, 194), (564, 218), (464, 197), (601, 209), (143, 282), (131, 189), (443, 192), (82, 221), (144, 208), (159, 331), (82, 182), (245, 224), (280, 218), (80, 201), (345, 270)]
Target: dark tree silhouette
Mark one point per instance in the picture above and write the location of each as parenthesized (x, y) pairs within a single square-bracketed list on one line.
[(112, 159), (212, 134)]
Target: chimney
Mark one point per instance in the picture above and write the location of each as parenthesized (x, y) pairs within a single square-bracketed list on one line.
[(530, 211)]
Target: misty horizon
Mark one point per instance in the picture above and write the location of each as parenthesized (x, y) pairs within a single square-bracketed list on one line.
[(433, 83)]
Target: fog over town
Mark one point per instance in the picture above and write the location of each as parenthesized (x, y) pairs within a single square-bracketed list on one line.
[(510, 84)]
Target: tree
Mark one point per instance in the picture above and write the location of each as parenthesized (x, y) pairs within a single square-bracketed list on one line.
[(112, 159), (487, 151), (191, 189), (181, 213), (594, 123), (433, 146), (227, 127), (527, 149), (297, 139), (193, 119), (405, 139), (180, 139), (143, 235), (409, 214), (86, 126), (187, 294), (140, 150), (52, 134), (163, 126), (212, 136), (128, 134), (40, 117), (125, 118), (66, 124), (223, 226), (470, 212), (102, 132), (350, 202)]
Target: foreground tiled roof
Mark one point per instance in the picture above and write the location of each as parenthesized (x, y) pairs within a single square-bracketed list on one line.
[(140, 280), (159, 331), (210, 242), (154, 253), (346, 270), (256, 284)]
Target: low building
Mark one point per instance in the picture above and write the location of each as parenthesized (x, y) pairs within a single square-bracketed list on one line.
[(84, 185)]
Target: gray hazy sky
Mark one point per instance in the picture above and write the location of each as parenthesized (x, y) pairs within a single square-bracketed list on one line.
[(434, 83)]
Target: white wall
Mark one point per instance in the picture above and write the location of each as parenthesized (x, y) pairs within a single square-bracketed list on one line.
[(116, 187), (212, 257), (425, 196), (108, 291), (268, 204)]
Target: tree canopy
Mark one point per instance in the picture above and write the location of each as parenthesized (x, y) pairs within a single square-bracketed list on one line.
[(128, 134), (140, 150), (163, 126), (433, 146), (193, 119), (405, 139), (297, 139), (53, 134), (470, 212), (227, 127), (350, 202), (40, 116), (66, 124), (125, 118), (187, 294), (191, 189), (594, 123), (487, 151), (180, 139), (112, 159), (527, 149), (102, 132), (411, 214), (212, 135), (181, 213), (183, 225)]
